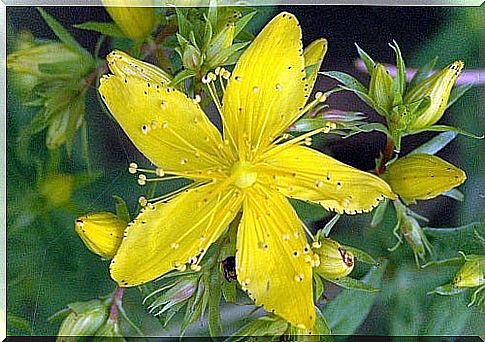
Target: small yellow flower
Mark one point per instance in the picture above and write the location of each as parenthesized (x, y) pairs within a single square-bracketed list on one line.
[(422, 177), (101, 233), (252, 166)]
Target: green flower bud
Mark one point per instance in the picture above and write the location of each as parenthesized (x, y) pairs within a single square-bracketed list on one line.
[(101, 232), (49, 60), (57, 188), (472, 273), (110, 329), (135, 22), (335, 261), (380, 87), (422, 176), (415, 237), (191, 58), (438, 88), (220, 42), (84, 319)]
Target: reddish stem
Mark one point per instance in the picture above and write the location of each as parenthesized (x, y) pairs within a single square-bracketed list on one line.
[(116, 301), (386, 156)]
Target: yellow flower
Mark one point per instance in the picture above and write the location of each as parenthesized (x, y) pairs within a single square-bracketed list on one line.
[(252, 166)]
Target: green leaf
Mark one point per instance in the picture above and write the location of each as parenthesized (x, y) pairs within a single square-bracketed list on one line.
[(121, 209), (457, 93), (378, 214), (182, 76), (184, 25), (214, 303), (241, 23), (362, 256), (107, 29), (222, 56), (269, 325), (422, 73), (321, 326), (455, 194), (212, 13), (446, 241), (447, 290), (368, 61), (444, 128), (353, 284), (309, 211), (436, 144), (349, 308), (61, 32), (399, 83), (370, 127)]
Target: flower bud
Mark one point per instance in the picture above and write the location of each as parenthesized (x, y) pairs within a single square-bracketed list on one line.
[(101, 233), (471, 274), (57, 188), (84, 319), (438, 88), (335, 261), (415, 237), (121, 63), (135, 22), (110, 329), (221, 41), (380, 87), (191, 57), (50, 60), (422, 176)]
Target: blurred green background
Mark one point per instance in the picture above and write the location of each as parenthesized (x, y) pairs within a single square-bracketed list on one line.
[(49, 267)]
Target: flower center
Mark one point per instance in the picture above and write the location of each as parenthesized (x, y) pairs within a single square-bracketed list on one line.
[(243, 174)]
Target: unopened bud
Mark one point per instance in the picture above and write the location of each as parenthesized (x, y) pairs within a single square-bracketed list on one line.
[(335, 261), (422, 176), (101, 232), (135, 22), (471, 274), (438, 88), (84, 319), (110, 329), (219, 43), (191, 57), (380, 87)]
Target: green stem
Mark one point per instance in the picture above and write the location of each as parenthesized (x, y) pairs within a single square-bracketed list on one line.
[(85, 147)]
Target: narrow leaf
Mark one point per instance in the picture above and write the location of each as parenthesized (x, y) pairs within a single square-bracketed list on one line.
[(362, 256), (182, 76), (108, 29), (328, 227), (61, 32), (241, 23), (319, 288), (353, 284), (456, 194), (121, 209), (436, 144), (400, 79), (214, 318), (444, 128), (447, 290)]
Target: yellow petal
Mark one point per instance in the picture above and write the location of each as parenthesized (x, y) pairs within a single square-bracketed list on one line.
[(272, 258), (169, 235), (122, 64), (267, 86), (101, 232), (169, 128), (422, 176), (306, 174), (313, 55), (135, 22)]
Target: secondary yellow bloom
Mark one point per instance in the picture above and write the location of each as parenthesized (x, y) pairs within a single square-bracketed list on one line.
[(249, 167)]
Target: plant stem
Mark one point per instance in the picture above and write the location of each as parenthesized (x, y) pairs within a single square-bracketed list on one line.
[(386, 156)]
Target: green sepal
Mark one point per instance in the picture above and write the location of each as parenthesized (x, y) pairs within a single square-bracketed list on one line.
[(368, 61), (362, 256), (378, 214), (269, 325), (423, 72), (214, 303), (319, 288), (183, 75), (241, 23), (447, 290), (399, 82), (121, 209), (458, 261), (455, 194)]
